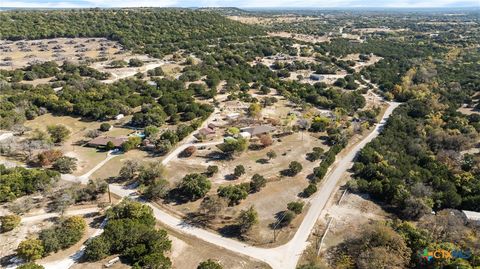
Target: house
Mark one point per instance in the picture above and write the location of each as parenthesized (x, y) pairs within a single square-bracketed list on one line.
[(119, 116), (212, 126), (204, 132), (102, 141), (258, 130)]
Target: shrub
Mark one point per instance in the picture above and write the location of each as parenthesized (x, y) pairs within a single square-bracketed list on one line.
[(247, 219), (238, 171), (134, 62), (234, 193), (286, 218), (209, 264), (63, 235), (9, 222), (65, 165), (211, 170), (30, 249), (296, 207), (47, 157), (309, 190), (294, 168), (257, 183), (105, 127), (58, 133)]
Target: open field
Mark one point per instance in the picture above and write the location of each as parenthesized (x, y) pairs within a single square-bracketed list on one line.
[(18, 54), (74, 145), (301, 37), (270, 200)]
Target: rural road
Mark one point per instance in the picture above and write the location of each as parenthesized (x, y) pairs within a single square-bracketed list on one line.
[(45, 216), (287, 255), (282, 257)]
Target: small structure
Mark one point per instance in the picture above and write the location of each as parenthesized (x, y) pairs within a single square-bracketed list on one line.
[(258, 130), (472, 216), (212, 126), (119, 116), (233, 116), (204, 132), (245, 135), (316, 77), (102, 141), (229, 139)]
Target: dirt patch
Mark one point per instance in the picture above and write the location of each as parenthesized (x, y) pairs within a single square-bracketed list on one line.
[(19, 54)]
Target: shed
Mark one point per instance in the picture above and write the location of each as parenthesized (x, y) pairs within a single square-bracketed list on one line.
[(245, 135), (233, 116)]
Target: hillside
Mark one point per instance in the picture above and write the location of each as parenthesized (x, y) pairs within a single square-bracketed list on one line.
[(154, 31)]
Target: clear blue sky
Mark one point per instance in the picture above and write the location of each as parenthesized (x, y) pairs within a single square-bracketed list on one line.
[(236, 3)]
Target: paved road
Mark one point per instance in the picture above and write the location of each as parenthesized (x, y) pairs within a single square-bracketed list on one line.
[(287, 255), (282, 257)]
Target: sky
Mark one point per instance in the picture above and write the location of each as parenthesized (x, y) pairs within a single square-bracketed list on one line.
[(239, 3)]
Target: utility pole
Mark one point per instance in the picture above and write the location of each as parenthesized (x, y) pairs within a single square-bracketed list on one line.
[(109, 195)]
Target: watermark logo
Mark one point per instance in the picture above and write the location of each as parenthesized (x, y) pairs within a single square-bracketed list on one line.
[(445, 254)]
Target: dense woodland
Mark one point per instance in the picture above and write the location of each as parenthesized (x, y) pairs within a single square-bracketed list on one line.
[(155, 31)]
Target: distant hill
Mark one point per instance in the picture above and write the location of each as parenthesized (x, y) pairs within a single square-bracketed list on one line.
[(152, 30), (227, 11)]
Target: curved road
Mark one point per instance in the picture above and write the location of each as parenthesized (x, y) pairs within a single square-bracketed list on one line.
[(287, 255), (282, 257)]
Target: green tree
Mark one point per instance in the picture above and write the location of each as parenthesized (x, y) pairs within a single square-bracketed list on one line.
[(234, 193), (239, 171), (195, 186), (151, 131), (257, 183), (109, 145), (58, 133), (157, 190), (247, 219)]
